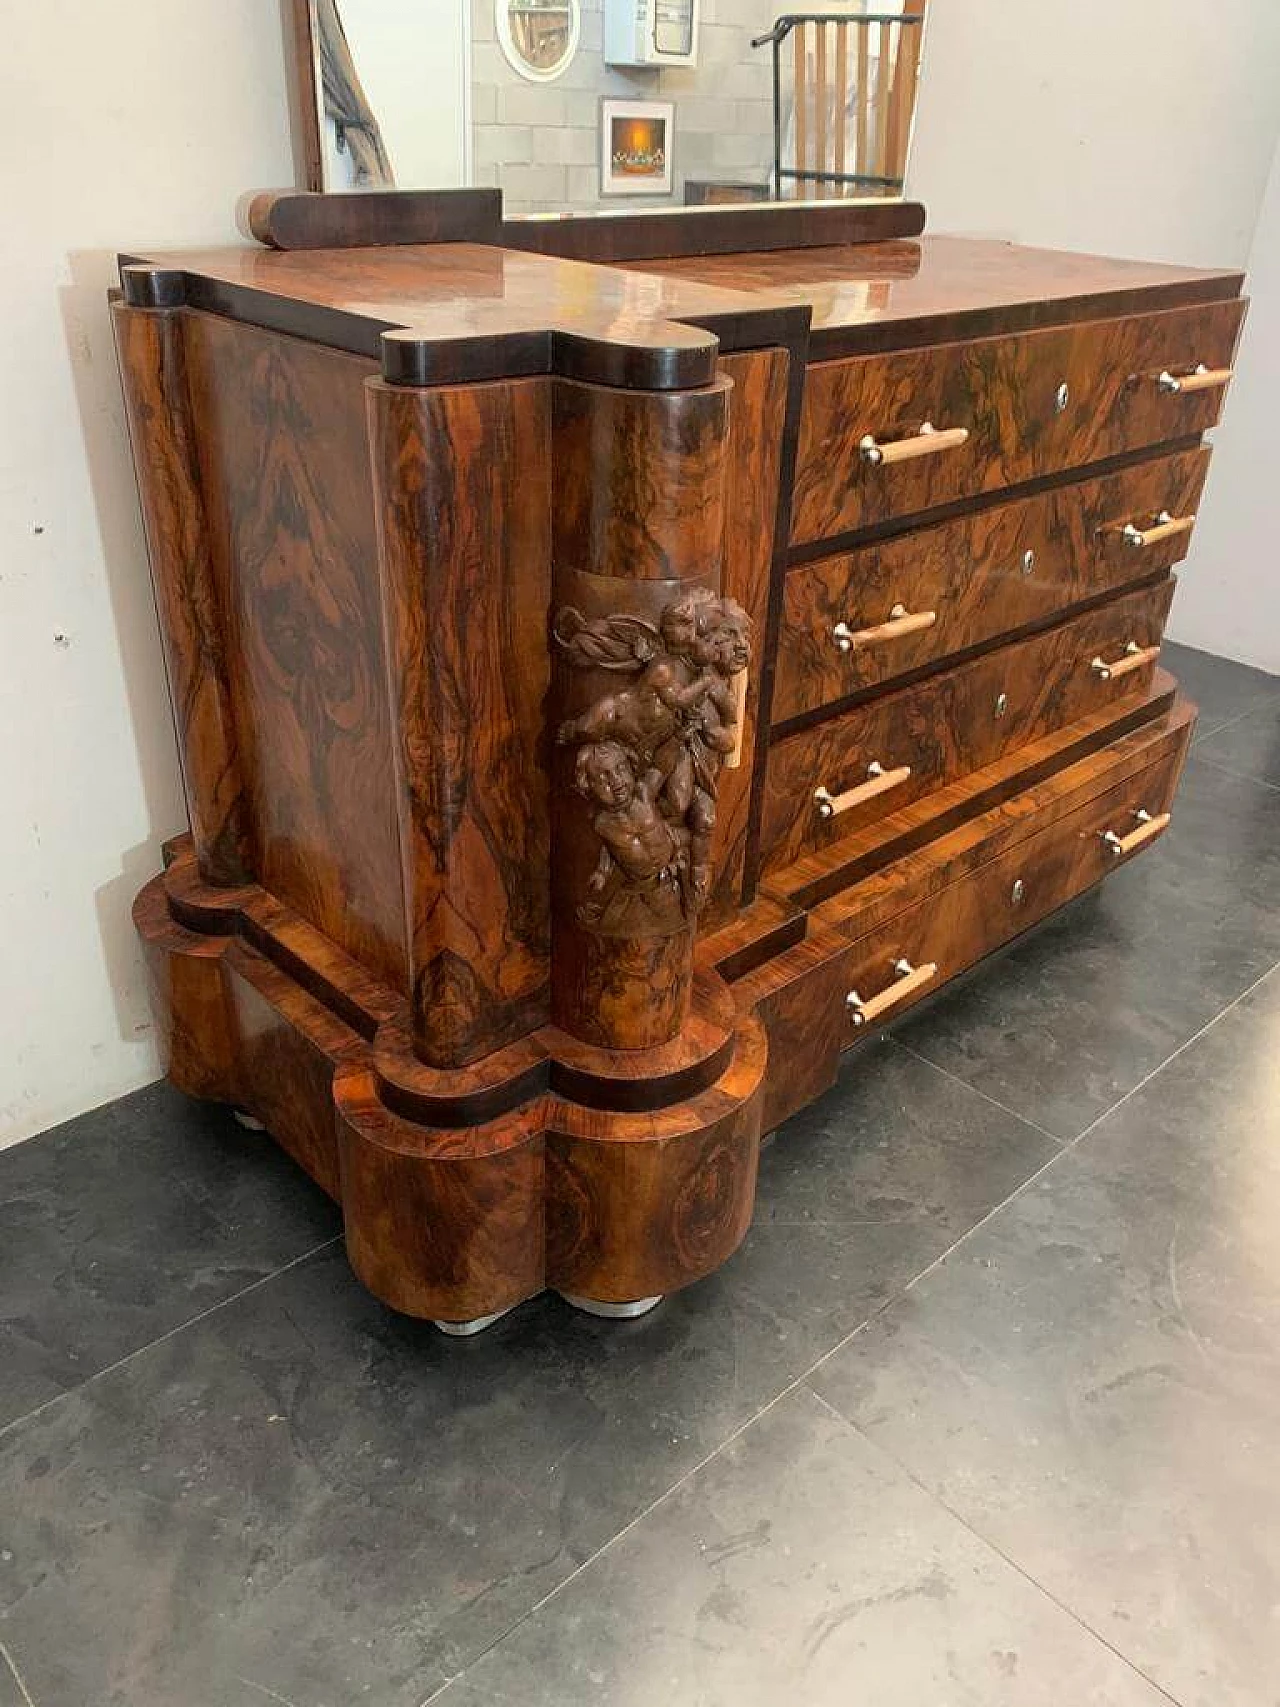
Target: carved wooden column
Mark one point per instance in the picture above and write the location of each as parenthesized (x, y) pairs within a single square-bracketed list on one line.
[(646, 661)]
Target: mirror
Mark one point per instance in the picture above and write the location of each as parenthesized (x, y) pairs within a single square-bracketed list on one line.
[(764, 104), (539, 37), (382, 93)]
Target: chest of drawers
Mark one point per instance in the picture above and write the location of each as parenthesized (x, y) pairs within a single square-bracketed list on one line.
[(618, 664)]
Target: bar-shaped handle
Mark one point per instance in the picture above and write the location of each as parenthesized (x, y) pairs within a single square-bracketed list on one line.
[(1164, 527), (879, 781), (1198, 378), (929, 441), (907, 980), (901, 622), (1132, 658), (1148, 826)]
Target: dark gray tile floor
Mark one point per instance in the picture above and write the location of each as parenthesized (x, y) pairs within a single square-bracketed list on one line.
[(985, 1411)]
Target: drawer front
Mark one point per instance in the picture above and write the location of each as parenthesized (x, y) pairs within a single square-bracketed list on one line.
[(854, 621), (941, 729), (1031, 405), (890, 967)]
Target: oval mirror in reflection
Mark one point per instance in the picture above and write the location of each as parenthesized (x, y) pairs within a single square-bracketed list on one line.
[(539, 37)]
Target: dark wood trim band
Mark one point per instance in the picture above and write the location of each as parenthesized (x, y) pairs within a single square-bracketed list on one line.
[(796, 343), (741, 228), (375, 219)]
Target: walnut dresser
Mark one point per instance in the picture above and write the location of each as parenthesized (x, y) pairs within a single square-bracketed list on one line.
[(618, 663)]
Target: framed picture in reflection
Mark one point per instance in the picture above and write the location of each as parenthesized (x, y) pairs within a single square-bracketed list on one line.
[(635, 147)]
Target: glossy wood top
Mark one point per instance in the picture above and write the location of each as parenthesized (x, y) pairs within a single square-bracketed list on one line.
[(878, 295), (472, 311), (456, 311)]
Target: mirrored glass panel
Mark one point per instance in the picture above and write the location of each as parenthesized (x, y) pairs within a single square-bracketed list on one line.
[(573, 105)]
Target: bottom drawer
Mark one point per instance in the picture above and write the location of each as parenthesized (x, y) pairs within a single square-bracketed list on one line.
[(877, 947), (912, 954)]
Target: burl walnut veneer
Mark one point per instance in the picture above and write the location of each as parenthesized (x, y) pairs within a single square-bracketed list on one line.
[(617, 663)]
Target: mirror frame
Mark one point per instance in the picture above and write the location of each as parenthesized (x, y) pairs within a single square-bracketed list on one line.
[(511, 53)]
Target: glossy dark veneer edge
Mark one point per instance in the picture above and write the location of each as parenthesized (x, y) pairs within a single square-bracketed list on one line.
[(363, 219), (754, 229), (472, 1109), (641, 1096)]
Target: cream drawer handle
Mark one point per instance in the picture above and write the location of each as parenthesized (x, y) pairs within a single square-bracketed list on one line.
[(1147, 827), (1164, 527), (901, 621), (909, 979), (1134, 658), (927, 442), (879, 781), (1201, 378)]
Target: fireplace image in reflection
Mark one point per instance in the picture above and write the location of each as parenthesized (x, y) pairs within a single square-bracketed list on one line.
[(635, 148)]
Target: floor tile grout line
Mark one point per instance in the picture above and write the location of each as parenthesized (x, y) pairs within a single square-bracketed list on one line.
[(1240, 776), (937, 1499), (18, 1678), (1181, 1049), (271, 1694), (800, 1381), (621, 1534), (986, 1096), (1065, 1148), (178, 1328), (1227, 723)]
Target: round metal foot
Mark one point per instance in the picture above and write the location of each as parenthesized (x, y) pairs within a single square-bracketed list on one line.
[(477, 1325), (247, 1121), (613, 1312)]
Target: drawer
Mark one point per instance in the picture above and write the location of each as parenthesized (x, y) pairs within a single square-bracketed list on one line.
[(885, 610), (825, 783), (918, 949), (1002, 410)]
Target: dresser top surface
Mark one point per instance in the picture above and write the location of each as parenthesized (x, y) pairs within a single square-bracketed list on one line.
[(861, 284), (861, 296)]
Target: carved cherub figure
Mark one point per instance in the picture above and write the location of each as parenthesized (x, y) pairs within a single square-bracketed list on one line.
[(641, 852), (707, 642), (679, 719)]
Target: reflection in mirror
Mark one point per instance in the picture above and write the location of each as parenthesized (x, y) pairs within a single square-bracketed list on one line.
[(387, 105), (539, 37), (517, 94), (844, 100)]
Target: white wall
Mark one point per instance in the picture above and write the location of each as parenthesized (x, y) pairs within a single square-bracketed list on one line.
[(1229, 595), (136, 123), (413, 62), (1129, 128), (1119, 126)]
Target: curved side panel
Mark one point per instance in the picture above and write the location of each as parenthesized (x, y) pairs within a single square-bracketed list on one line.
[(444, 1225), (195, 1031), (153, 369), (645, 1204)]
